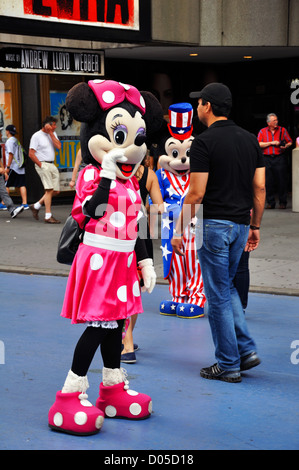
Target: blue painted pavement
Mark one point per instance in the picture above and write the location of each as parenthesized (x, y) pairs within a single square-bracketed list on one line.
[(36, 349)]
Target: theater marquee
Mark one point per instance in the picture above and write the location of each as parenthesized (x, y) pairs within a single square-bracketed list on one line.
[(122, 14)]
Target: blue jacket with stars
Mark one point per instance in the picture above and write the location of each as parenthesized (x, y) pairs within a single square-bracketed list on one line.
[(173, 189)]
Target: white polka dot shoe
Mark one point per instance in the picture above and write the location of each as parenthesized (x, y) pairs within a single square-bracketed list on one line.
[(72, 413), (118, 401)]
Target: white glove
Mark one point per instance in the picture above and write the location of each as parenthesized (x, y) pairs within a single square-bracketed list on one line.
[(109, 163), (148, 274)]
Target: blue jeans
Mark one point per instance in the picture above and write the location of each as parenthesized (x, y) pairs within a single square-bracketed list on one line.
[(219, 256)]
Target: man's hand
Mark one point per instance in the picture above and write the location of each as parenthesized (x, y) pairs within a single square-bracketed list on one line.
[(48, 128), (176, 243), (253, 240)]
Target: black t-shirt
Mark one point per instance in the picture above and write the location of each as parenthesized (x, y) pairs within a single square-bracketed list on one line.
[(230, 155)]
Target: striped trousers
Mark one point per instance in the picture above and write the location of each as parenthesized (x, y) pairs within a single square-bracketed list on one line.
[(185, 279)]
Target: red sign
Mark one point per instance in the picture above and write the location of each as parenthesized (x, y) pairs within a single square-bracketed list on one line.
[(111, 12)]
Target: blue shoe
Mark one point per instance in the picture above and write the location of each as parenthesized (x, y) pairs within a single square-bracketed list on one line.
[(128, 358), (3, 207), (189, 311), (26, 207), (167, 307)]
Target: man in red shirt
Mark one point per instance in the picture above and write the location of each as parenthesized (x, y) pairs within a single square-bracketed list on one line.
[(274, 140)]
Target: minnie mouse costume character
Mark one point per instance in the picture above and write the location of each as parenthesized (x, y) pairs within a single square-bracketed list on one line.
[(183, 273), (103, 287)]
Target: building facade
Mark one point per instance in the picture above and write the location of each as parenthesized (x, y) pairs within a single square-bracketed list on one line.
[(169, 47)]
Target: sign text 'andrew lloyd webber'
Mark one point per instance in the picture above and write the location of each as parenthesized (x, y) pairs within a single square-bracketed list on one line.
[(39, 60)]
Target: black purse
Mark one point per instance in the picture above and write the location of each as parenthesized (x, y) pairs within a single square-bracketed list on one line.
[(69, 241)]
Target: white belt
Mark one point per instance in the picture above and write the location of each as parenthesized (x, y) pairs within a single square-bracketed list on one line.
[(108, 243)]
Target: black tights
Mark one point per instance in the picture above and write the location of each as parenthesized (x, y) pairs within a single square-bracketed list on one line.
[(110, 341)]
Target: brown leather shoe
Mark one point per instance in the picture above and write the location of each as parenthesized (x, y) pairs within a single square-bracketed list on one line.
[(34, 211), (52, 220)]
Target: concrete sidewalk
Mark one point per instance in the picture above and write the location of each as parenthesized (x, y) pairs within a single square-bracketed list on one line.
[(29, 246)]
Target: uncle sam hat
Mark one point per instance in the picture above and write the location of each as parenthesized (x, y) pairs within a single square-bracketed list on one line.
[(180, 120)]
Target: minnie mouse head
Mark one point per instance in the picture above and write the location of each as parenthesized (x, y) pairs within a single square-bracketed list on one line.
[(114, 116), (176, 139)]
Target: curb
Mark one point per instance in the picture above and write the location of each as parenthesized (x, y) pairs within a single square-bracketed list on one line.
[(160, 281)]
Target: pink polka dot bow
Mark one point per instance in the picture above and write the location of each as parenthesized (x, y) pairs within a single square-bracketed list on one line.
[(110, 93)]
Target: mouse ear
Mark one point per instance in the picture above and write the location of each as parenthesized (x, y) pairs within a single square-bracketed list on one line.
[(82, 103), (154, 114)]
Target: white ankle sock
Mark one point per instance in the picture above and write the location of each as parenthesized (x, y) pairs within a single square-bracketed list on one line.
[(74, 383), (48, 215), (37, 206), (112, 376)]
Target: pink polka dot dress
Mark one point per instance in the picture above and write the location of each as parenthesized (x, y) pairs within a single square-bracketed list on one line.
[(103, 283)]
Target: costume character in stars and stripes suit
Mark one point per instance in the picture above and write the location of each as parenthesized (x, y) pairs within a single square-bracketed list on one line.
[(183, 273)]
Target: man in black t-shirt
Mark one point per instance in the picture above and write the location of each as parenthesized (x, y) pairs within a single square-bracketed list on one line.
[(228, 178)]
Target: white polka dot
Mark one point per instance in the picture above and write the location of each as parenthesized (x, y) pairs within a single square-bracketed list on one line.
[(108, 97), (126, 87), (122, 293), (110, 411), (89, 174), (142, 102), (130, 259), (118, 219), (85, 403), (136, 289), (132, 393), (80, 418), (58, 419), (135, 409), (99, 422), (98, 81), (132, 195), (96, 262), (113, 184), (150, 407)]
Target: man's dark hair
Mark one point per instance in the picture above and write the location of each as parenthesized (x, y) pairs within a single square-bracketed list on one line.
[(48, 120), (222, 110)]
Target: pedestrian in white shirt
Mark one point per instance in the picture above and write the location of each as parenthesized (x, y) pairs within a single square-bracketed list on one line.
[(42, 152)]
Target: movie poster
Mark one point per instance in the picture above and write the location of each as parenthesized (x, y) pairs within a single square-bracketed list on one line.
[(68, 131)]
